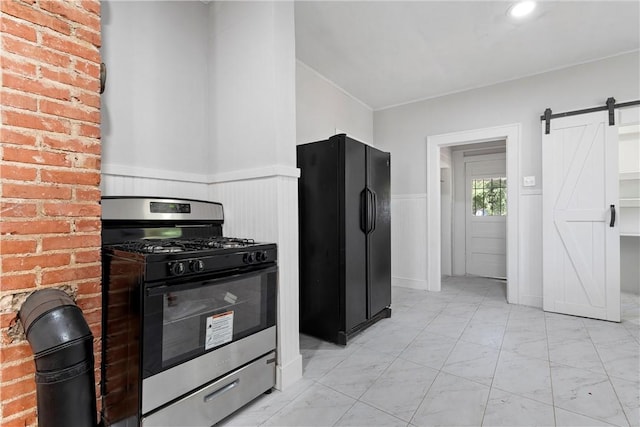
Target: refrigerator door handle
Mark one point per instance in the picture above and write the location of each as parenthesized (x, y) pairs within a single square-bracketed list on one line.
[(364, 207), (370, 208), (374, 205)]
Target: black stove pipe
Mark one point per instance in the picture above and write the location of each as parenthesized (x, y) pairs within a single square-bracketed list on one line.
[(62, 344)]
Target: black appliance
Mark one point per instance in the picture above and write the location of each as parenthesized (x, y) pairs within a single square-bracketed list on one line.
[(345, 237), (189, 316)]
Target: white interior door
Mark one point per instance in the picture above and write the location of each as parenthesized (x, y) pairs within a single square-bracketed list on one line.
[(580, 239), (486, 220)]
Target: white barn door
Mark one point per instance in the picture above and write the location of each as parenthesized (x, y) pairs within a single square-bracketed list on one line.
[(581, 240)]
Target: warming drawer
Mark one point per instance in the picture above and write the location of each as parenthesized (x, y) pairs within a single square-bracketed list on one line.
[(210, 404)]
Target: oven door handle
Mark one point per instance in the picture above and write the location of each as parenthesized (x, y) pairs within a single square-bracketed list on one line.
[(198, 282), (221, 391)]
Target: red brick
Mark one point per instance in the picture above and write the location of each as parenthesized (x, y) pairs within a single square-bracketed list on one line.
[(75, 145), (95, 329), (70, 177), (15, 352), (89, 303), (18, 29), (18, 173), (39, 157), (15, 371), (70, 274), (73, 79), (86, 257), (34, 121), (92, 6), (18, 100), (24, 419), (18, 210), (87, 225), (8, 136), (34, 52), (88, 194), (18, 66), (6, 319), (20, 404), (93, 317), (70, 242), (71, 12), (18, 388), (89, 99), (87, 162), (17, 246), (65, 45), (38, 87), (31, 191), (91, 69), (70, 111), (34, 227), (72, 209), (92, 37), (19, 10), (24, 263), (18, 281), (89, 130), (90, 287)]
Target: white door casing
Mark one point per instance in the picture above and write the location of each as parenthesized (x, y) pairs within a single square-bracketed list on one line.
[(581, 251), (511, 134), (485, 236)]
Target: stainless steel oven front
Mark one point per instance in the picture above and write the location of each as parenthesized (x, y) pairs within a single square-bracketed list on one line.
[(197, 330)]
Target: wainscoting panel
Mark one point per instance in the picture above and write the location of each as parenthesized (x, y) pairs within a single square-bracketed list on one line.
[(409, 240), (530, 262), (266, 209)]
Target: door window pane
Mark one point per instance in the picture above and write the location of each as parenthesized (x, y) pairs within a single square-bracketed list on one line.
[(489, 196)]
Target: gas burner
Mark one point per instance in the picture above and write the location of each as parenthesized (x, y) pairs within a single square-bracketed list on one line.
[(155, 247), (159, 249), (222, 243)]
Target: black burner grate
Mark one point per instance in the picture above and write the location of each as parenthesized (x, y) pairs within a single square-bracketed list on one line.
[(162, 246)]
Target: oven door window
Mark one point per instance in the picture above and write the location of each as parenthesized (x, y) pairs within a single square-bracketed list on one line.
[(195, 318)]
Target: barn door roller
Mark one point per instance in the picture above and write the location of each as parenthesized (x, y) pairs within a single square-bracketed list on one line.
[(610, 105)]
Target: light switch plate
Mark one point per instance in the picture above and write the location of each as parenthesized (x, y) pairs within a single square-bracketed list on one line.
[(529, 181)]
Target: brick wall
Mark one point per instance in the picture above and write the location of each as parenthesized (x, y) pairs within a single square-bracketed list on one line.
[(49, 176)]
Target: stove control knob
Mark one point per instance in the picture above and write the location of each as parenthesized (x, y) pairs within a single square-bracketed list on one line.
[(177, 268), (196, 265), (261, 256), (248, 258)]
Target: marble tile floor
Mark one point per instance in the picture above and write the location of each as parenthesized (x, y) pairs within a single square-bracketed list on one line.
[(464, 357)]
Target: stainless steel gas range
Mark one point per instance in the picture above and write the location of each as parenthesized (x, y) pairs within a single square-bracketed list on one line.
[(189, 316)]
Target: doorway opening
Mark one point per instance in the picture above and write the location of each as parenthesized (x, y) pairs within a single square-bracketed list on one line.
[(510, 134), (479, 209)]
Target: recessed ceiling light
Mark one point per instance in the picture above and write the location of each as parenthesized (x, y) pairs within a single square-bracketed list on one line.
[(522, 8)]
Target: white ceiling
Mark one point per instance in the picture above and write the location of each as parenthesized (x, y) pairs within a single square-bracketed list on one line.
[(386, 53)]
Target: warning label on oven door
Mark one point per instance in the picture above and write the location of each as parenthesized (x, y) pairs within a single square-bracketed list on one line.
[(219, 330)]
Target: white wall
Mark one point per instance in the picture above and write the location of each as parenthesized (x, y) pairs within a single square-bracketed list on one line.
[(252, 92), (322, 107), (154, 108), (403, 131)]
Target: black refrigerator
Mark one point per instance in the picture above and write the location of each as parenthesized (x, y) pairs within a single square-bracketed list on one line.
[(345, 237)]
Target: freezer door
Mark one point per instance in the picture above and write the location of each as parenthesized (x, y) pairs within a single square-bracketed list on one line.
[(379, 238), (355, 243)]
